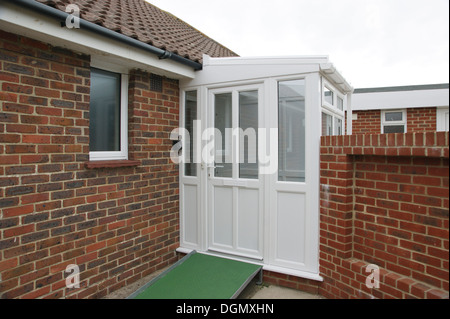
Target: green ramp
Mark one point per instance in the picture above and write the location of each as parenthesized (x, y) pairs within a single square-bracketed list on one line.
[(200, 276)]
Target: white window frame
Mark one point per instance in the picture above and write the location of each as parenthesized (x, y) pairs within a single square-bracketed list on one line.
[(123, 153), (332, 109), (441, 120), (393, 123)]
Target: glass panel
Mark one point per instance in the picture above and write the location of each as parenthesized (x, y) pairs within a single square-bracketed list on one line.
[(340, 104), (394, 129), (248, 122), (338, 126), (104, 113), (327, 124), (328, 94), (393, 116), (291, 131), (190, 115), (223, 123)]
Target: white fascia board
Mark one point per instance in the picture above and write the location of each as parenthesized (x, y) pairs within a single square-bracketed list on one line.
[(400, 99), (47, 29), (235, 69)]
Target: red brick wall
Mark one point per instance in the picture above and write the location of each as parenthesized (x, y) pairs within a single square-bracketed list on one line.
[(117, 224), (368, 122), (384, 201), (418, 120)]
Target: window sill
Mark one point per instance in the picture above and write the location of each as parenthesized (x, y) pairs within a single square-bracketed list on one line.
[(111, 164)]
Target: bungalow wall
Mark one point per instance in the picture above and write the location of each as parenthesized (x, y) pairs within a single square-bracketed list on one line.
[(417, 120), (118, 224)]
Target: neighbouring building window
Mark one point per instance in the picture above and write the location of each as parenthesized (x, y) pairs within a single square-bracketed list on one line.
[(442, 120), (108, 138), (393, 121)]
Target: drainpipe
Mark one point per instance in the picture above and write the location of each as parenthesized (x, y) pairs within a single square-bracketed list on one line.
[(62, 16)]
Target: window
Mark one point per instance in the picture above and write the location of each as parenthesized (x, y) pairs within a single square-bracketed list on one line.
[(393, 121), (108, 121), (190, 115), (442, 120), (328, 95), (332, 110), (291, 131)]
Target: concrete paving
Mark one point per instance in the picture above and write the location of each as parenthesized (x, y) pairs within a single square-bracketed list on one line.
[(264, 291)]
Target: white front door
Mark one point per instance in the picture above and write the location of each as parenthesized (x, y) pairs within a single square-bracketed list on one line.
[(234, 187)]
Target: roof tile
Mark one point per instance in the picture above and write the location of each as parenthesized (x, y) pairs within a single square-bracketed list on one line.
[(145, 22)]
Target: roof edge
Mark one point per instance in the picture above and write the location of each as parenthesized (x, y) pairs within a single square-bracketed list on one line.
[(439, 86)]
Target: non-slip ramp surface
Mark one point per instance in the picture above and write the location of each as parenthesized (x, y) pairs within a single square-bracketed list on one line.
[(200, 276)]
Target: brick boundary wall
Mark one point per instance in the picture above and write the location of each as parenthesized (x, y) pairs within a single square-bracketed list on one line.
[(384, 201), (118, 223)]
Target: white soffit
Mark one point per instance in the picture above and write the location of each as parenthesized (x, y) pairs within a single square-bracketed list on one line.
[(47, 29)]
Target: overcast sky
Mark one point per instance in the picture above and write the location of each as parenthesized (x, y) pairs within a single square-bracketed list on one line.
[(372, 43)]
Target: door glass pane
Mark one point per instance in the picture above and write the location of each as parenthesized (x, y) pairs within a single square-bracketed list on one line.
[(248, 139), (291, 131), (104, 112), (190, 115), (222, 142), (327, 125)]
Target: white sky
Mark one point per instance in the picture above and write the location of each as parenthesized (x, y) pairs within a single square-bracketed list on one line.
[(372, 43)]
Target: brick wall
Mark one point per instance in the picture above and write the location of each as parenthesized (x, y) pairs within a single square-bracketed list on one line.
[(417, 120), (384, 201), (368, 122), (117, 224)]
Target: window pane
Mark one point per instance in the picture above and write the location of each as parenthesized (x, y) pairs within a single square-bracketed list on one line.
[(190, 115), (394, 129), (248, 122), (104, 113), (340, 104), (223, 123), (328, 95), (393, 116), (291, 131), (327, 124), (338, 126)]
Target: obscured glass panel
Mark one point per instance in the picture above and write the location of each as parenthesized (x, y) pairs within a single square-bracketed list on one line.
[(291, 131), (394, 129), (327, 124), (393, 116), (104, 113), (190, 115), (338, 126)]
